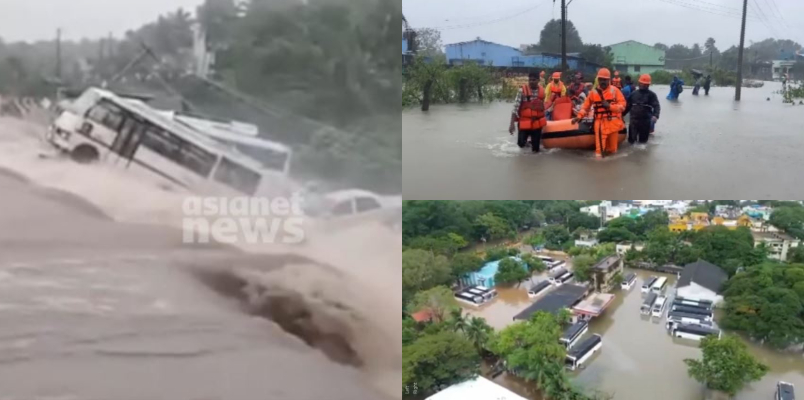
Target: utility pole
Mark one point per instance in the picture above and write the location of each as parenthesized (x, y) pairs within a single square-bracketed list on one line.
[(58, 53), (739, 85), (563, 36)]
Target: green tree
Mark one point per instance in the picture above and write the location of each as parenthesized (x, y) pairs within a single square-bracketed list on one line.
[(796, 255), (789, 219), (496, 253), (615, 235), (422, 270), (479, 333), (550, 37), (581, 220), (511, 271), (532, 263), (582, 267), (493, 227), (444, 358), (457, 321), (465, 263), (409, 333), (726, 365), (428, 43), (556, 236), (438, 300), (445, 245)]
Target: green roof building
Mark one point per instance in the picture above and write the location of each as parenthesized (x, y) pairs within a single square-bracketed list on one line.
[(634, 58)]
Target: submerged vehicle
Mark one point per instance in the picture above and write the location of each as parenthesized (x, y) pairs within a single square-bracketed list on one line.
[(563, 134), (784, 391)]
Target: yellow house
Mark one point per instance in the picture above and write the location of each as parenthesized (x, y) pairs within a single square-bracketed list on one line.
[(700, 217), (677, 226), (732, 224), (718, 221), (745, 221)]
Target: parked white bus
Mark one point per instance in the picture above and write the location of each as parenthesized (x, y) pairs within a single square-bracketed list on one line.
[(573, 333), (628, 281), (124, 133), (659, 285), (581, 352), (538, 288), (646, 285), (694, 332), (658, 306), (647, 305)]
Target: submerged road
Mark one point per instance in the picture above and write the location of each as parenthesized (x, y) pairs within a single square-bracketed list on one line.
[(704, 147), (93, 309)]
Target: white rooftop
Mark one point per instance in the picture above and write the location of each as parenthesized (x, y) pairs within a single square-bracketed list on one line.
[(478, 389)]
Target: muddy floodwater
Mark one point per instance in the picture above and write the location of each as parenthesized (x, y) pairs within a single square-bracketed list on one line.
[(638, 358), (702, 145)]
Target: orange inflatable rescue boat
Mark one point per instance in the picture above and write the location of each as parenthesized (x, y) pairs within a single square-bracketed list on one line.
[(563, 134)]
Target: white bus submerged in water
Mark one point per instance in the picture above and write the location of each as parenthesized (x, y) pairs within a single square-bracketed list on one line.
[(694, 332), (560, 277), (102, 126), (648, 284), (573, 333), (647, 305), (658, 306), (583, 351), (659, 284), (628, 281)]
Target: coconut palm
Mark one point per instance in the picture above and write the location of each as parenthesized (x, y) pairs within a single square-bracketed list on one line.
[(478, 332), (457, 321)]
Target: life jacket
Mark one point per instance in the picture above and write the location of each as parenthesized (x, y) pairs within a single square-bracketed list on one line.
[(616, 82), (562, 108), (531, 110), (597, 103)]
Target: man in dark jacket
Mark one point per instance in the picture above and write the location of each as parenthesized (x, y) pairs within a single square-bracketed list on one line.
[(644, 108)]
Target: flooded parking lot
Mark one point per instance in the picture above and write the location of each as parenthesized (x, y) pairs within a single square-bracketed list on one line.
[(746, 149), (639, 359)]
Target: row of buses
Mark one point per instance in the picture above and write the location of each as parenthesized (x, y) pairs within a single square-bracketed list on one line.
[(476, 295), (560, 276), (551, 263), (654, 284)]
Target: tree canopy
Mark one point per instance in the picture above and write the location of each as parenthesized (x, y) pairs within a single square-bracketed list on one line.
[(436, 361), (726, 365), (511, 271), (765, 302), (421, 270), (789, 219)]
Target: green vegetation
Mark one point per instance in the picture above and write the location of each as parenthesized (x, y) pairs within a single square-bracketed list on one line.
[(531, 350), (438, 360), (511, 271), (430, 81), (557, 237), (765, 302), (582, 267), (726, 365), (789, 219), (437, 300), (628, 228), (532, 263)]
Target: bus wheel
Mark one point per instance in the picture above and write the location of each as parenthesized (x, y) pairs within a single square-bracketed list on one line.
[(84, 154)]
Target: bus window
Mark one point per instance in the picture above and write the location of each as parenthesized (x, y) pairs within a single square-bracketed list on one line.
[(269, 159), (179, 151), (366, 204), (106, 114), (196, 159), (237, 176)]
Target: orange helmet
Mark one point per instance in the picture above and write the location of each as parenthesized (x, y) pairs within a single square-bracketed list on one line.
[(604, 74), (556, 75), (644, 79)]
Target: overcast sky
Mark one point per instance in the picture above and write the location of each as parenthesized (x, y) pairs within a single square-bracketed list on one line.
[(515, 22), (32, 20)]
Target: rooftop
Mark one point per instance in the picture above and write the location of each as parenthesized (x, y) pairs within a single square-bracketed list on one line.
[(772, 235), (479, 388), (608, 263), (564, 296), (595, 304), (703, 273)]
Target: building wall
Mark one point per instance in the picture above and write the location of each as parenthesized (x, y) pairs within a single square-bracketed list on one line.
[(498, 55), (778, 249), (631, 54), (404, 46), (603, 281), (698, 292)]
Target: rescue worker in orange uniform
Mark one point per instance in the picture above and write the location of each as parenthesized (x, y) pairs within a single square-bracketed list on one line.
[(616, 80), (529, 113), (554, 90), (609, 104)]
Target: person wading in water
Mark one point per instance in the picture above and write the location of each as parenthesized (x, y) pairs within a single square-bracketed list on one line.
[(644, 108), (609, 104), (529, 114)]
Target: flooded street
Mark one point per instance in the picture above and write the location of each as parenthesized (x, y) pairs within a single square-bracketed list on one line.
[(749, 149), (98, 300), (639, 359)]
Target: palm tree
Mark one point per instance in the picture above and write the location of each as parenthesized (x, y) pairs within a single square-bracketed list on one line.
[(457, 321), (478, 332)]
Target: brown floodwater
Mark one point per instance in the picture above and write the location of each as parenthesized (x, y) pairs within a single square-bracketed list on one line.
[(638, 358), (703, 145)]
